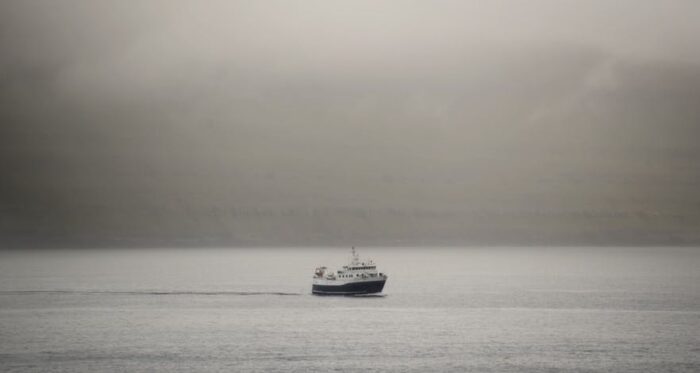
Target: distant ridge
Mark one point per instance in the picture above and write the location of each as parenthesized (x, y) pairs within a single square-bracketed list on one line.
[(342, 227)]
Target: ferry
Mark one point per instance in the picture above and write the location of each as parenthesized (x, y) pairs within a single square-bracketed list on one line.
[(357, 278)]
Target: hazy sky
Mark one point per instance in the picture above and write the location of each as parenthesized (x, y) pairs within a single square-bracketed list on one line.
[(337, 122)]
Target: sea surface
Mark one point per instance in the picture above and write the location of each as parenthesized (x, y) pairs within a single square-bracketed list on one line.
[(443, 309)]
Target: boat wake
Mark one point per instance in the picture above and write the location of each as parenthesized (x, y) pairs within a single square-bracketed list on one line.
[(144, 292)]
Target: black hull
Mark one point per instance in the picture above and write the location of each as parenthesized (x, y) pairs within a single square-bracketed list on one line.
[(353, 288)]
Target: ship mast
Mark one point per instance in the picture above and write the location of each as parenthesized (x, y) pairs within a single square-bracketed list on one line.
[(355, 257)]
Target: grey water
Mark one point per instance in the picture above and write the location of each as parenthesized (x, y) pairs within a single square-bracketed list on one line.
[(628, 309)]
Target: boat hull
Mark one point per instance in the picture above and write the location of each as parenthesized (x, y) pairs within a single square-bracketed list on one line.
[(350, 288)]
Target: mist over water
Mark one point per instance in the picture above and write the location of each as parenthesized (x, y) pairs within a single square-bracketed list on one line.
[(456, 309), (217, 129), (292, 123)]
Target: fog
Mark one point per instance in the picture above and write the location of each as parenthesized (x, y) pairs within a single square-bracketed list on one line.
[(166, 123)]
